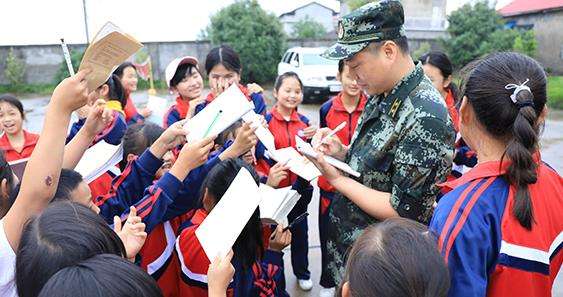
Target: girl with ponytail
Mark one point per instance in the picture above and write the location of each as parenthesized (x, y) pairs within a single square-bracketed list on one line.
[(500, 227)]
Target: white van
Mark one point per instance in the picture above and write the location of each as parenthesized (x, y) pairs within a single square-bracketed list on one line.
[(317, 73)]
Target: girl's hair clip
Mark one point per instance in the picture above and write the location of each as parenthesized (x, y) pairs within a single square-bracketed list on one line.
[(517, 89)]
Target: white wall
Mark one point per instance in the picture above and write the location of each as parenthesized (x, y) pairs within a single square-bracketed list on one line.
[(315, 12)]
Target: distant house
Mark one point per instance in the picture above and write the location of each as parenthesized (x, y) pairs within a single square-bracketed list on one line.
[(314, 11), (545, 17)]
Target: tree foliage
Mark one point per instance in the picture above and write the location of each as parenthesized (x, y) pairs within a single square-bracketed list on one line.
[(308, 28), (15, 69), (256, 35)]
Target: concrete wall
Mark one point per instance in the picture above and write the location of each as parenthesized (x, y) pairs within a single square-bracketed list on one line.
[(547, 28), (315, 12), (43, 61)]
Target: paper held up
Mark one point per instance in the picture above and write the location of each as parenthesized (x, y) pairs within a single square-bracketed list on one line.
[(98, 159), (219, 115), (263, 134), (307, 149), (110, 47), (297, 163), (276, 203), (18, 167), (225, 222), (158, 106)]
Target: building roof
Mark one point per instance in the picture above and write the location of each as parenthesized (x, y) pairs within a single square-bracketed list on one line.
[(310, 3), (519, 7)]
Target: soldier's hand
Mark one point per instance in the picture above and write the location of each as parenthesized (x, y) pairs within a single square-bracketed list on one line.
[(331, 146), (328, 171)]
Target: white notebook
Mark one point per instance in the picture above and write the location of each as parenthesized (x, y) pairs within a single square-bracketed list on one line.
[(277, 203), (219, 115), (264, 135), (306, 149), (159, 107), (223, 225), (98, 159), (296, 162)]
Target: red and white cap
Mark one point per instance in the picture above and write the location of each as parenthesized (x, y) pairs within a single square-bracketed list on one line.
[(173, 66)]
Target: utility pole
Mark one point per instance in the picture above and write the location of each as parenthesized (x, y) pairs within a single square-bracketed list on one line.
[(85, 21)]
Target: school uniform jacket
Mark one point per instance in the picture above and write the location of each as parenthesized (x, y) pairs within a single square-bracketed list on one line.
[(132, 116), (332, 114), (256, 98), (284, 136), (10, 154), (263, 279), (486, 249)]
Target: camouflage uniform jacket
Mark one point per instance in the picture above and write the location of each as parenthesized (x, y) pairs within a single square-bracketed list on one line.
[(403, 145)]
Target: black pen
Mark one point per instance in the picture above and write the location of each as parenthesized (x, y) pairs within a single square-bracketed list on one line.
[(297, 220)]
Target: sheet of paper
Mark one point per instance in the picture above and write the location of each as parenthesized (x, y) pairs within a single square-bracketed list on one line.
[(223, 225), (98, 159), (306, 149), (18, 167), (297, 163), (159, 107), (263, 134), (219, 115), (109, 49)]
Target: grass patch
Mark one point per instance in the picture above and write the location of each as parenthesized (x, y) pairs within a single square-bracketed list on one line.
[(555, 92)]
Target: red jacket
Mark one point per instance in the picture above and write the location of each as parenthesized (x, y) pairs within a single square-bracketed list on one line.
[(284, 135), (452, 110), (332, 113), (176, 112), (30, 140), (132, 116)]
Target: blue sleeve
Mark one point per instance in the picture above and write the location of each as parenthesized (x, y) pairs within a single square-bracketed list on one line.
[(115, 132), (74, 129), (259, 103), (154, 206), (474, 250), (137, 118), (128, 188), (323, 112), (271, 277), (172, 117), (200, 107)]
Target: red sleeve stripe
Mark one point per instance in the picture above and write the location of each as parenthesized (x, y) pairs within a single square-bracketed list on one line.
[(145, 206), (101, 199), (465, 215), (453, 213)]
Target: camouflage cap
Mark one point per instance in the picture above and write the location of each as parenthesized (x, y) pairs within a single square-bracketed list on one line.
[(376, 21)]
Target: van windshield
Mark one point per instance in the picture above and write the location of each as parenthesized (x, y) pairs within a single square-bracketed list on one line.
[(316, 59)]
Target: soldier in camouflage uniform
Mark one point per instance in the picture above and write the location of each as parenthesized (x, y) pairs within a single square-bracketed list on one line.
[(404, 143)]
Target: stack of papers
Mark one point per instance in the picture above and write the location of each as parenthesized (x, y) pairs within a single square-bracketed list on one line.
[(307, 149), (225, 222), (109, 49), (98, 159), (276, 203), (219, 115)]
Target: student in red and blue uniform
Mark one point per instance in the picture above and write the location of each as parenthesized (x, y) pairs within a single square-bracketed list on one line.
[(16, 142), (127, 73), (113, 93), (184, 79), (346, 107), (500, 228), (285, 122), (223, 68), (258, 263)]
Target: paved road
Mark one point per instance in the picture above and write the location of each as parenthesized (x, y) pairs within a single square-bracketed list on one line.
[(552, 152)]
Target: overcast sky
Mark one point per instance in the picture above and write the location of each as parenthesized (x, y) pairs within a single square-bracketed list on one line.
[(46, 21)]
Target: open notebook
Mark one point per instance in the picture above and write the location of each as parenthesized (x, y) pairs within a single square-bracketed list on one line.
[(109, 49), (225, 222), (307, 149), (98, 159), (219, 115), (276, 203), (296, 162)]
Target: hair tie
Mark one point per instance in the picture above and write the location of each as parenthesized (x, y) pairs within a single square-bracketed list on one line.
[(518, 89)]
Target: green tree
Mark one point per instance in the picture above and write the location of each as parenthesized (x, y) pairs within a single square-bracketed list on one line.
[(62, 73), (256, 35), (308, 28), (470, 30), (15, 70), (526, 43), (421, 50), (355, 4)]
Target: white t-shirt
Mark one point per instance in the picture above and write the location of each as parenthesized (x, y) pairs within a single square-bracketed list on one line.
[(7, 266)]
